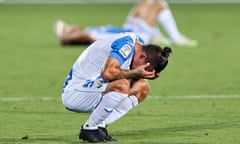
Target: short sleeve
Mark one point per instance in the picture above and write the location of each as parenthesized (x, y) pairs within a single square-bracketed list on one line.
[(122, 49)]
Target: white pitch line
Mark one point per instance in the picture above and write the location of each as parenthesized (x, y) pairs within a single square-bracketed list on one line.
[(15, 99), (28, 98), (233, 96)]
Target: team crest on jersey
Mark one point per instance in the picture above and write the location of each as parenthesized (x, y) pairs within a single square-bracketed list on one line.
[(125, 50), (98, 83)]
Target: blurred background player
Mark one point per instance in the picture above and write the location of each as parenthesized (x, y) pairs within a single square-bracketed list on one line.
[(155, 12), (143, 20)]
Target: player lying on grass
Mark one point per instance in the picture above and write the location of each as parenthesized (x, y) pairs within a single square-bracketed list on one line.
[(142, 19), (108, 80)]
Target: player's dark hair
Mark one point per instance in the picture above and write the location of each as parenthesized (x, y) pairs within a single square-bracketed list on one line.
[(157, 56)]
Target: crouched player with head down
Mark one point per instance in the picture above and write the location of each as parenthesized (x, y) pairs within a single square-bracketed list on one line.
[(108, 79)]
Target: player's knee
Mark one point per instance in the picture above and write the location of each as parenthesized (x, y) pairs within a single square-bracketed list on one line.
[(140, 89), (121, 86), (144, 92), (161, 4)]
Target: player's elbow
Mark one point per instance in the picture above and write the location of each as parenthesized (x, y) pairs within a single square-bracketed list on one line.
[(111, 73), (106, 75)]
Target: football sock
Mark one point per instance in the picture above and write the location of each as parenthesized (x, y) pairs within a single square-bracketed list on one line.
[(157, 34), (102, 124), (166, 19), (104, 109), (89, 125), (127, 104)]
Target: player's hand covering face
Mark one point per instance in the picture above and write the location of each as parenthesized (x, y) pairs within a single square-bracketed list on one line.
[(150, 68), (144, 71)]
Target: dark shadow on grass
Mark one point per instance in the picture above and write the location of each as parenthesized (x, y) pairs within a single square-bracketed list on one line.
[(186, 128), (140, 133)]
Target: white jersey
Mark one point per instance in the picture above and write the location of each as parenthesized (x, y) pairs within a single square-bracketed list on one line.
[(85, 74)]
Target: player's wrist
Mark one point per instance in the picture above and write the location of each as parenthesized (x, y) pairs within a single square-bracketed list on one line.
[(135, 74)]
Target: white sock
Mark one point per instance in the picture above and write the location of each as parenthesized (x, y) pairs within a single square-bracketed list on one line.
[(157, 34), (105, 108), (102, 124), (90, 125), (127, 104), (166, 19)]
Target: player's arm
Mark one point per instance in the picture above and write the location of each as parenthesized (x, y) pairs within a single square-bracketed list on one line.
[(112, 71)]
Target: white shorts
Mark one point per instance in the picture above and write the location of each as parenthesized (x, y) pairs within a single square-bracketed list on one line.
[(78, 101), (83, 95), (99, 32), (139, 26)]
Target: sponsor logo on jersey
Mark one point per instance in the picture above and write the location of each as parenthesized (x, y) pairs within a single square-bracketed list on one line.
[(125, 50)]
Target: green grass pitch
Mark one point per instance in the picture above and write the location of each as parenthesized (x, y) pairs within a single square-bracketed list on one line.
[(34, 66)]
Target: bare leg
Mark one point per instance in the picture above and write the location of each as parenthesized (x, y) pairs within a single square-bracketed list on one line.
[(68, 35), (140, 9), (152, 13)]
